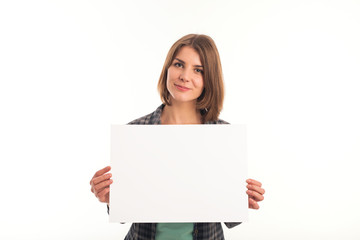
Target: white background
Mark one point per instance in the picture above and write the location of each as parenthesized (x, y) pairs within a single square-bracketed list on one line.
[(69, 69)]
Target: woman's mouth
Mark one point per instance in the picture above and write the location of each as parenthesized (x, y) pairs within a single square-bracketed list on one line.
[(181, 88)]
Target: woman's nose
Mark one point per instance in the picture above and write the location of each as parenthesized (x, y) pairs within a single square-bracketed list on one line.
[(185, 76)]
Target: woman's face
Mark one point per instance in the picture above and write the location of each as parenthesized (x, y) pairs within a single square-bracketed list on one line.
[(185, 76)]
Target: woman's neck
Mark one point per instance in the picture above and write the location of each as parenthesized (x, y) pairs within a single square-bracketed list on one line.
[(181, 113)]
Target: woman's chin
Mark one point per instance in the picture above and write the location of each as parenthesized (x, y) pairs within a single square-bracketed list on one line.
[(182, 99)]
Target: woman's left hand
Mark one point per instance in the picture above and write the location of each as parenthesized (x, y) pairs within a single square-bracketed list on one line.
[(255, 193)]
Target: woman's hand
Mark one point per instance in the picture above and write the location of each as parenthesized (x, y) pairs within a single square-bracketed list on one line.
[(255, 193), (100, 184)]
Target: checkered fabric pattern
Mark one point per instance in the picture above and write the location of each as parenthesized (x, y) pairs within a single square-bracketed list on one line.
[(147, 231)]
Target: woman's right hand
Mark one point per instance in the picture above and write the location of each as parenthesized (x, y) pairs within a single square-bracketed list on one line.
[(100, 184)]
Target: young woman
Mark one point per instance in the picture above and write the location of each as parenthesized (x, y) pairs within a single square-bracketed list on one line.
[(192, 92)]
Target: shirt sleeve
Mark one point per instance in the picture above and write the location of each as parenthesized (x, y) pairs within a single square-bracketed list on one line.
[(232, 224)]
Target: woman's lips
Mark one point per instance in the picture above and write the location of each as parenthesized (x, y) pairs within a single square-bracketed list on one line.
[(181, 88)]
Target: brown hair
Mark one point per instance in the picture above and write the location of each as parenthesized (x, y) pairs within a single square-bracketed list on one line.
[(211, 99)]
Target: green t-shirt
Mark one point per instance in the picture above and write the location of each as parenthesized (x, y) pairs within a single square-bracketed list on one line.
[(174, 231)]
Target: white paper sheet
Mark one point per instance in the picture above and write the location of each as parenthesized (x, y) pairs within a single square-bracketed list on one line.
[(178, 173)]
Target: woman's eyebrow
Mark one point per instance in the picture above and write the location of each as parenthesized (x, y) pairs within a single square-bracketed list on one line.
[(184, 63), (180, 60)]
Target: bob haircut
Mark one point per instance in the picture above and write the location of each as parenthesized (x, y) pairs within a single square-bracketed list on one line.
[(210, 101)]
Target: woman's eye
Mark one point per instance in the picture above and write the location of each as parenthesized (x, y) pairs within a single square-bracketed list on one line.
[(177, 64), (199, 70)]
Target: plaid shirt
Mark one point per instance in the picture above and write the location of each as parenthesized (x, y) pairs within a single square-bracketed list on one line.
[(147, 231)]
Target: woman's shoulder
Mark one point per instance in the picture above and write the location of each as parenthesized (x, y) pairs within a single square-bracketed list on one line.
[(219, 121), (154, 118), (151, 118)]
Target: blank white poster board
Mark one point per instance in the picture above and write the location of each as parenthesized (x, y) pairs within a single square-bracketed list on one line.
[(178, 173)]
